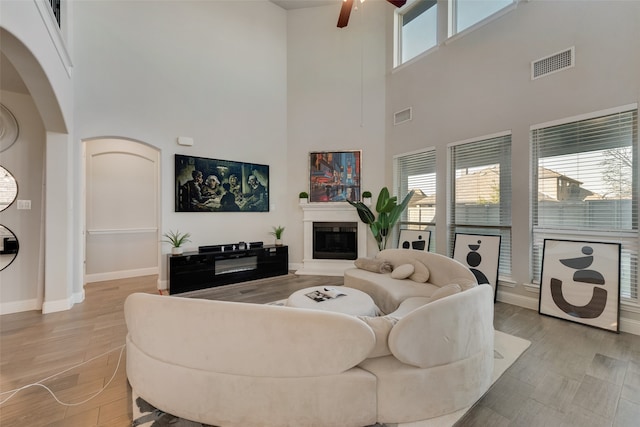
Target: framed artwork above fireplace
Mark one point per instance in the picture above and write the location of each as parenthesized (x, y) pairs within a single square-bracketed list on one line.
[(334, 176)]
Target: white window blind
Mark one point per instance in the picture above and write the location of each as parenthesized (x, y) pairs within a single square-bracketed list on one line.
[(481, 192), (417, 171), (586, 176)]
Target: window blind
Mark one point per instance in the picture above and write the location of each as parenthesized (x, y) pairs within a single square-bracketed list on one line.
[(417, 171), (585, 174), (480, 186)]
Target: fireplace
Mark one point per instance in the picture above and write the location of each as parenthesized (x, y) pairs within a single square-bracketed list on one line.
[(335, 240), (334, 237)]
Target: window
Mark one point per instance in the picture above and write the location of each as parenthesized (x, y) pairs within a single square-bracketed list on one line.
[(466, 13), (417, 171), (423, 24), (417, 24), (480, 186), (586, 175)]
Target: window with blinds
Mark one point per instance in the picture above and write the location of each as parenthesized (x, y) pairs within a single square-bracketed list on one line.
[(417, 171), (480, 202), (586, 176)]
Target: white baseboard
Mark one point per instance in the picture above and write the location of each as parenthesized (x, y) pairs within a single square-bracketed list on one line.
[(19, 306), (123, 274)]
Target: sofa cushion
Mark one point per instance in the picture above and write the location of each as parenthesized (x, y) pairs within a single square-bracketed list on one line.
[(381, 326), (445, 291), (386, 291), (374, 265), (420, 272), (402, 271)]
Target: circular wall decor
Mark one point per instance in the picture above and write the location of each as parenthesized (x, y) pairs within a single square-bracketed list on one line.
[(8, 128), (8, 189), (8, 247)]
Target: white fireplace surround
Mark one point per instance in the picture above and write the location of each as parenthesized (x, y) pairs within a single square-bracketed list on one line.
[(329, 212)]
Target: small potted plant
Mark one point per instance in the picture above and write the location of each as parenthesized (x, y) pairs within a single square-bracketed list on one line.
[(304, 197), (277, 232), (366, 197), (176, 239)]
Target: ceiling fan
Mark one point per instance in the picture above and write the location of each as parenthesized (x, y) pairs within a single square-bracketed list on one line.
[(347, 5)]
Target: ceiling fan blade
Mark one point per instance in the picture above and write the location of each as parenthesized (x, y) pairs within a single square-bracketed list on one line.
[(397, 3), (345, 11)]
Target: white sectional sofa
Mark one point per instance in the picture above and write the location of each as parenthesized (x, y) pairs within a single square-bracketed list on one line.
[(239, 364)]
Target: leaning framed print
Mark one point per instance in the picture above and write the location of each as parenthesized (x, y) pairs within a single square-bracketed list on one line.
[(212, 185), (580, 282), (334, 176), (481, 254), (414, 239)]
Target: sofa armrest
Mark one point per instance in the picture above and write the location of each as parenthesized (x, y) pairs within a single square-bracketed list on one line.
[(447, 330)]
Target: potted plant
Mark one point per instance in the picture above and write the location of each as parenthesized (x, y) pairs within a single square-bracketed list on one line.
[(176, 239), (277, 232), (388, 214), (366, 197), (304, 197)]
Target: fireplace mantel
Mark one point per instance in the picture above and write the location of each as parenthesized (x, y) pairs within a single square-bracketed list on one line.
[(329, 212)]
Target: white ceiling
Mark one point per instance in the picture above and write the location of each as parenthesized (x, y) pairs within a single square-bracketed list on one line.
[(298, 4)]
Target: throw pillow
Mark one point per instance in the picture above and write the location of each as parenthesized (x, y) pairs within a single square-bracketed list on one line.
[(381, 326), (445, 291), (421, 272), (374, 265), (402, 271)]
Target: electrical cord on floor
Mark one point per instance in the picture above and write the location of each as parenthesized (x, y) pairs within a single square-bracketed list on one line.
[(39, 383)]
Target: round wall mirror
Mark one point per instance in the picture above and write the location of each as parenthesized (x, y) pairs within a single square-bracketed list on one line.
[(8, 247), (8, 128), (8, 189)]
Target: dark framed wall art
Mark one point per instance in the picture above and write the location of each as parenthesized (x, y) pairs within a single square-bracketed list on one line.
[(414, 239), (212, 185), (481, 254), (580, 282), (334, 176)]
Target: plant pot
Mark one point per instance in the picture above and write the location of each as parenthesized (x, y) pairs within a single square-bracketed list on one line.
[(278, 242), (366, 201), (303, 200), (176, 251)]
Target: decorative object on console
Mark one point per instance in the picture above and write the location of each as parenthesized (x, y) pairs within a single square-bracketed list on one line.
[(334, 176), (414, 239), (388, 214), (304, 197), (176, 239), (211, 185), (574, 272), (277, 233), (481, 254)]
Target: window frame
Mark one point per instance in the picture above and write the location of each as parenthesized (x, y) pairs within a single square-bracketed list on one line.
[(504, 228), (630, 239)]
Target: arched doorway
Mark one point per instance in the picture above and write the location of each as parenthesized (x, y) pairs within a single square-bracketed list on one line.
[(122, 211)]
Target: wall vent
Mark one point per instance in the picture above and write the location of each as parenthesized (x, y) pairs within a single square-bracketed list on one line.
[(553, 63), (402, 116)]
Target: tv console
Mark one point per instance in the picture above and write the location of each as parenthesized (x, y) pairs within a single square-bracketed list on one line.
[(221, 265)]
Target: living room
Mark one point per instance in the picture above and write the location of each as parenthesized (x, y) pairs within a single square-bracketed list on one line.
[(250, 81)]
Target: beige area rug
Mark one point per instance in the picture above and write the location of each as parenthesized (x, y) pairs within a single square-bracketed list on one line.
[(507, 350)]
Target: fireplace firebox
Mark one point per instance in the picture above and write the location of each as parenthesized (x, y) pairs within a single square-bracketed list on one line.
[(335, 240)]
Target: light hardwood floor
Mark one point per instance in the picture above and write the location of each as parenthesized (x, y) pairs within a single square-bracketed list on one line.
[(572, 375)]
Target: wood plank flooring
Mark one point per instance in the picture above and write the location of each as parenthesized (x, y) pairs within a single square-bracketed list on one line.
[(572, 375)]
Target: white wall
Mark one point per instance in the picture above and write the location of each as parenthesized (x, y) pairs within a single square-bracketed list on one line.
[(336, 98), (21, 283), (480, 84), (213, 71)]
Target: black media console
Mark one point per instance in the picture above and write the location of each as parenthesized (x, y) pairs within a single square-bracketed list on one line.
[(212, 266)]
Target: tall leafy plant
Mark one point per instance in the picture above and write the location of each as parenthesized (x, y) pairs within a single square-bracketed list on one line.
[(389, 212)]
